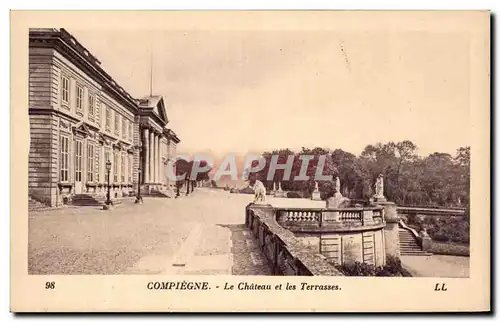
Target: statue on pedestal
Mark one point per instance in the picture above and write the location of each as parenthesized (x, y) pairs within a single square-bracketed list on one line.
[(379, 188), (279, 193), (260, 191), (316, 194)]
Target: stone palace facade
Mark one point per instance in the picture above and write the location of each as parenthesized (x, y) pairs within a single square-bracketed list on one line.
[(80, 118)]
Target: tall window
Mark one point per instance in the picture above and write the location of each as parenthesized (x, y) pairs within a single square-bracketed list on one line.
[(78, 160), (107, 157), (115, 167), (79, 99), (124, 128), (117, 123), (91, 107), (98, 163), (65, 90), (122, 172), (90, 162), (130, 135), (130, 168), (64, 158), (108, 119)]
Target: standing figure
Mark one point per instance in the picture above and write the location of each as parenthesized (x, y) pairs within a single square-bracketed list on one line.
[(337, 184), (379, 186), (334, 199)]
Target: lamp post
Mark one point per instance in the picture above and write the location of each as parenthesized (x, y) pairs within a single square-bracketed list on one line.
[(187, 186), (138, 197), (108, 204)]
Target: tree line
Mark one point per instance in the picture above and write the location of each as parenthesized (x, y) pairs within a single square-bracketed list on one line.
[(439, 179)]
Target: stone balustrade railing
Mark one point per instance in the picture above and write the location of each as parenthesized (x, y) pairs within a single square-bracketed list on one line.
[(317, 219), (285, 253)]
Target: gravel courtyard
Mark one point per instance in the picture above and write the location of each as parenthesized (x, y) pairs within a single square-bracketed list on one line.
[(191, 235)]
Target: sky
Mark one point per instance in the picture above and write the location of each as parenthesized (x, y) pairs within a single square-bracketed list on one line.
[(239, 91)]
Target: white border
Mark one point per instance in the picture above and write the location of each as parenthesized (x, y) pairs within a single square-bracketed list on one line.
[(186, 4)]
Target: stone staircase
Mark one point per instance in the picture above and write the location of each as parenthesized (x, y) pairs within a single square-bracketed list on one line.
[(88, 200), (408, 245), (158, 193), (84, 199), (34, 205)]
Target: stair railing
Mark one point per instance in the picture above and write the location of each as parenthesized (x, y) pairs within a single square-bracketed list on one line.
[(412, 231)]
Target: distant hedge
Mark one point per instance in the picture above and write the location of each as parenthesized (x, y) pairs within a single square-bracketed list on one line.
[(442, 228), (450, 249)]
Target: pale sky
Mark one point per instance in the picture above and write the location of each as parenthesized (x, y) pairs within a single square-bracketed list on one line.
[(239, 91)]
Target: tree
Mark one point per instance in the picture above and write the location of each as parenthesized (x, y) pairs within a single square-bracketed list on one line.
[(438, 179)]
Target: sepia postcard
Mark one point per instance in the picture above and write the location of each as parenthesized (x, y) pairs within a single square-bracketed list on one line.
[(250, 161)]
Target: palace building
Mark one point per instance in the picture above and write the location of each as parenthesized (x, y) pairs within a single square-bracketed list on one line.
[(80, 118)]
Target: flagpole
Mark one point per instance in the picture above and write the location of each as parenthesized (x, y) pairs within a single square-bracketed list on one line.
[(151, 70)]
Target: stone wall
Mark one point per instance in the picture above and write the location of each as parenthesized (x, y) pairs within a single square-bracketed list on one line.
[(42, 161), (285, 253)]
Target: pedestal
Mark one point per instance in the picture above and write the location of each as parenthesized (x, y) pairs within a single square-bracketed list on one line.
[(391, 229), (316, 195), (426, 244), (377, 199)]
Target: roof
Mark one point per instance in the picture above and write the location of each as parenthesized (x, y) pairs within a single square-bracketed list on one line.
[(149, 101)]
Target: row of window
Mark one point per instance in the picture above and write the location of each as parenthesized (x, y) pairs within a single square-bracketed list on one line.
[(65, 98), (119, 162), (126, 126)]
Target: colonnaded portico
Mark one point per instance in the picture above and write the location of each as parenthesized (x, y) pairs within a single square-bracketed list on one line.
[(158, 143)]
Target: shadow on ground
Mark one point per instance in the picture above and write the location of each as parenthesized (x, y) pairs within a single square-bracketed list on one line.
[(247, 256)]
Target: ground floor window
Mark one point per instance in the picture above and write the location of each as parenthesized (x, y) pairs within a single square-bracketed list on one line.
[(130, 167), (98, 163), (122, 172), (107, 157), (64, 165), (78, 161), (90, 162), (115, 167)]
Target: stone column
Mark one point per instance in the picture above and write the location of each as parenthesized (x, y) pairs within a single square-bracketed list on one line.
[(157, 157), (151, 157), (145, 171), (162, 179)]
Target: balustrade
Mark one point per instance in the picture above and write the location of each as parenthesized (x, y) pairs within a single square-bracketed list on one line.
[(311, 217)]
